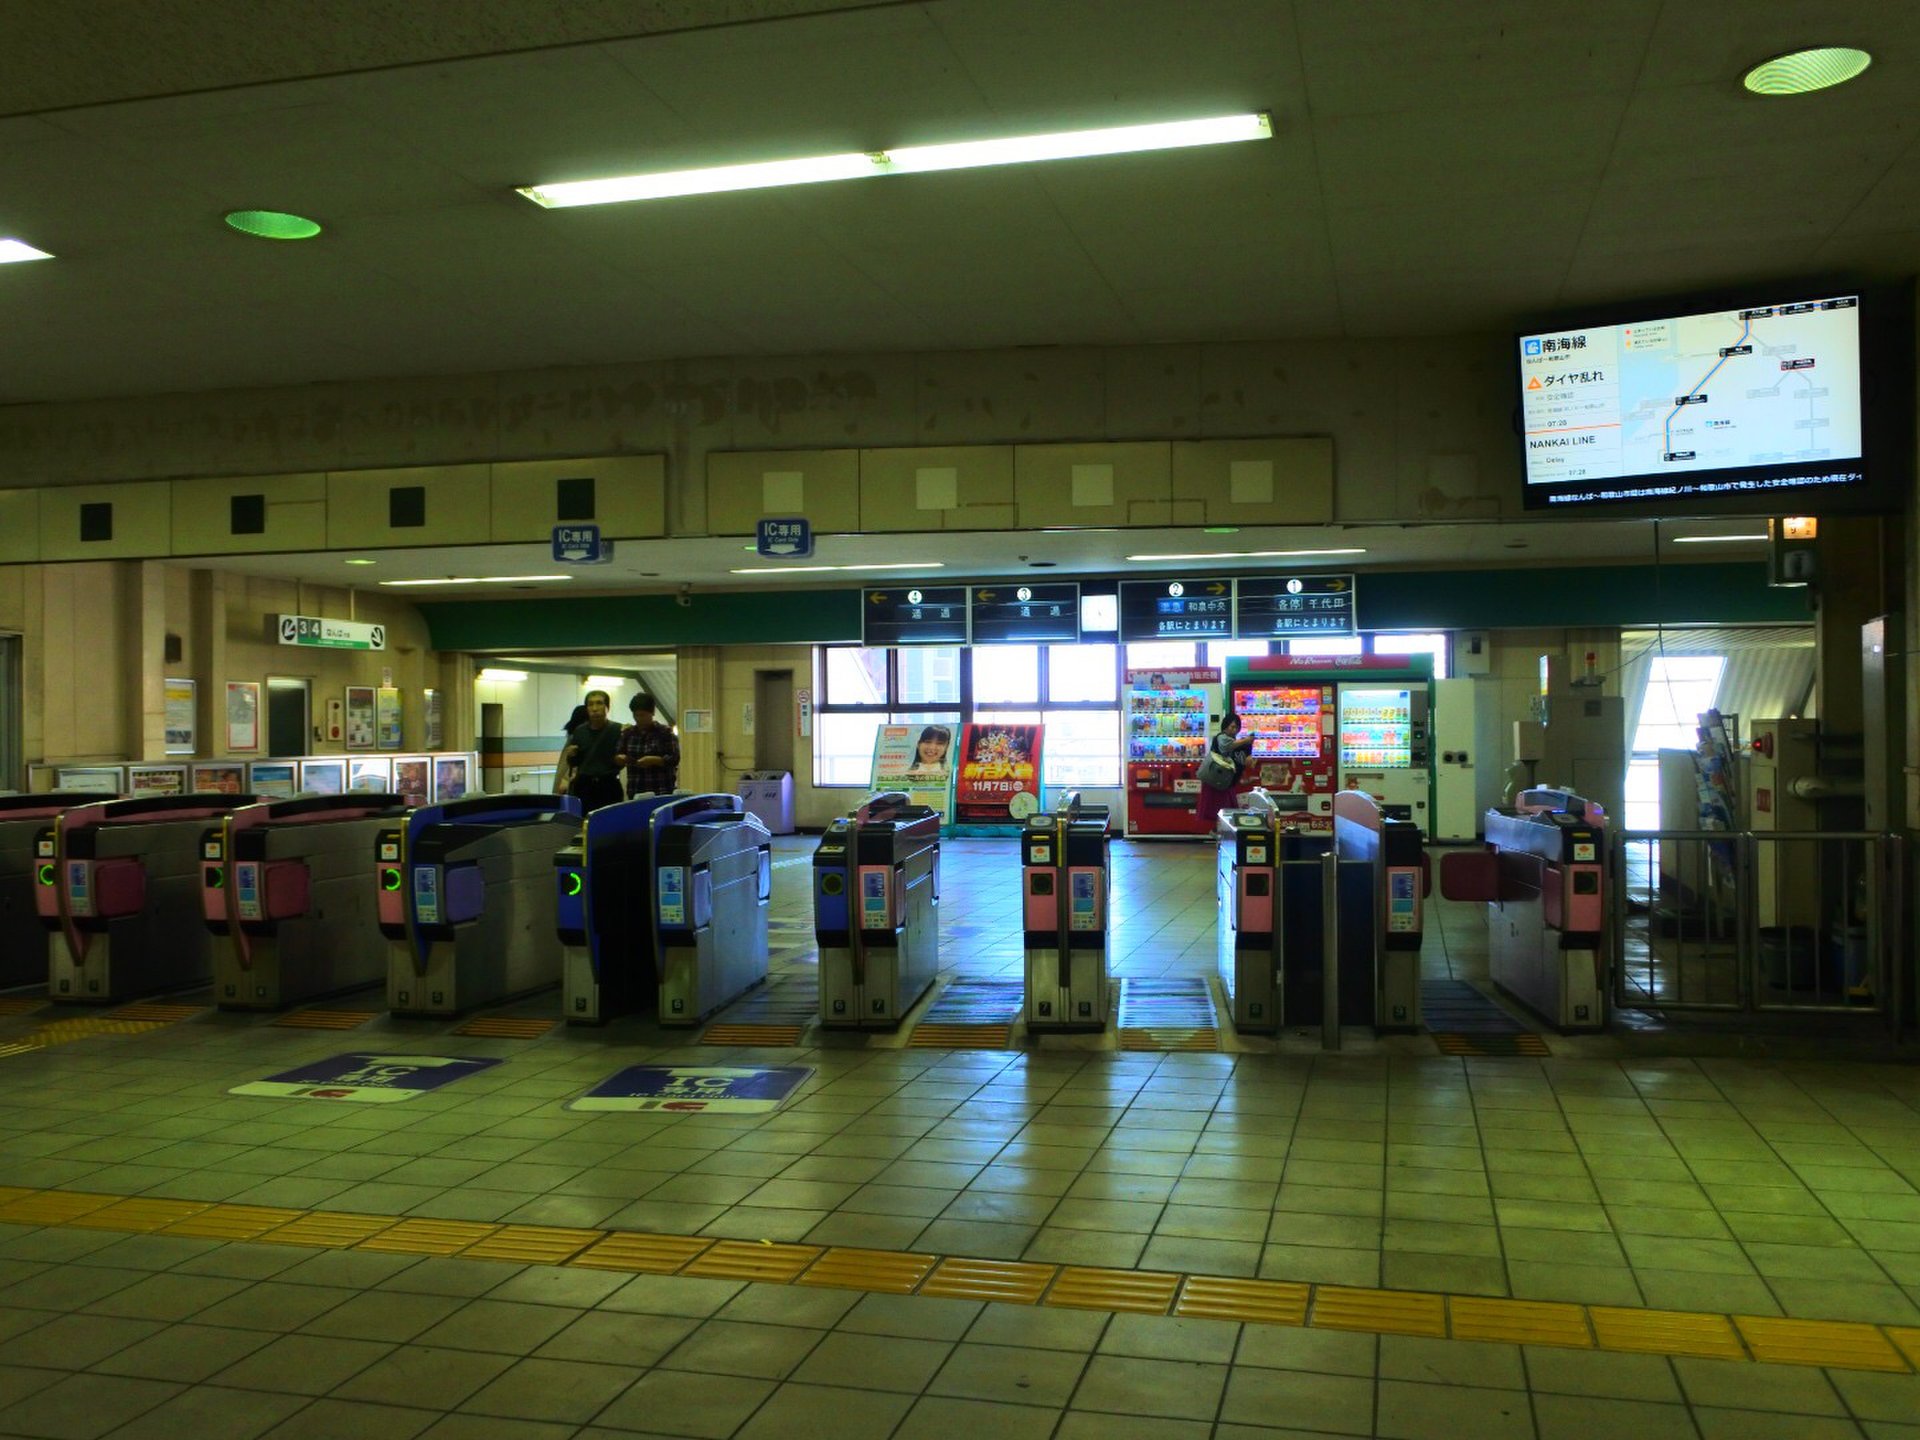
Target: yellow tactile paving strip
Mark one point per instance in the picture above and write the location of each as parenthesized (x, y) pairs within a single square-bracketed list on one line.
[(961, 1037), (787, 1035), (506, 1027), (1166, 1039), (123, 1020), (325, 1019), (1769, 1340)]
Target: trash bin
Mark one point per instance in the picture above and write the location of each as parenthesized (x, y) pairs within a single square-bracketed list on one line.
[(1787, 954), (1847, 956), (768, 796)]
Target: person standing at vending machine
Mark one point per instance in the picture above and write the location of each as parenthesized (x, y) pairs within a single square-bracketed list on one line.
[(1220, 770)]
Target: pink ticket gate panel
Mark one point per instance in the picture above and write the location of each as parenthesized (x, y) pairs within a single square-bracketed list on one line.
[(1064, 882), (1544, 881)]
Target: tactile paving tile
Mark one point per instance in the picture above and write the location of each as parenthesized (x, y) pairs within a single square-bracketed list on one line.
[(1380, 1312), (154, 1010), (927, 1036), (1519, 1322), (886, 1272), (753, 1260), (325, 1019), (771, 1035), (1517, 1044), (506, 1027), (64, 1032), (1265, 1302), (1012, 1282), (138, 1216), (1907, 1340), (52, 1207), (328, 1230), (1666, 1332), (428, 1237), (21, 1004), (644, 1254), (532, 1244), (233, 1222), (1839, 1344), (1086, 1287), (18, 1048)]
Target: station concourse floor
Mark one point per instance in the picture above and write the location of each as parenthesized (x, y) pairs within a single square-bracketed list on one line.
[(1057, 1240)]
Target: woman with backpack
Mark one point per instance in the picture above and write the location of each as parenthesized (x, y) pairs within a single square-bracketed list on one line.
[(1220, 770)]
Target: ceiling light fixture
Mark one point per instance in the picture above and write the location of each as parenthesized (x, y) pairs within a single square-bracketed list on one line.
[(358, 561), (14, 251), (818, 569), (1801, 71), (1715, 539), (478, 580), (505, 675), (907, 160), (1248, 555), (272, 224)]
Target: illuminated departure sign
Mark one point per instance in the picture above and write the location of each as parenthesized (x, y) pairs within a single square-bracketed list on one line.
[(1176, 609), (914, 615), (1294, 607), (1026, 614)]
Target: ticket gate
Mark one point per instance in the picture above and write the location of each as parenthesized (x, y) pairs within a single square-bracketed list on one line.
[(122, 896), (284, 886), (661, 904), (876, 964), (1064, 881), (1277, 884), (465, 900), (26, 864), (1543, 878)]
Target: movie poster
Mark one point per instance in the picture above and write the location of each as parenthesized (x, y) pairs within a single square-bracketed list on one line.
[(999, 780)]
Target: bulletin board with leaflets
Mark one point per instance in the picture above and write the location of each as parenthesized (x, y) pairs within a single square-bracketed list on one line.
[(919, 760), (999, 779)]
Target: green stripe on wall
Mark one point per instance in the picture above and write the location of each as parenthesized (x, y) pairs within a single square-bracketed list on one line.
[(1578, 595)]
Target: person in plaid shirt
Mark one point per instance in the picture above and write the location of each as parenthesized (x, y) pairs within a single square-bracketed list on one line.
[(649, 751)]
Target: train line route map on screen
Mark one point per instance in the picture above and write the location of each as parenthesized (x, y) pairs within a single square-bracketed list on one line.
[(1776, 385)]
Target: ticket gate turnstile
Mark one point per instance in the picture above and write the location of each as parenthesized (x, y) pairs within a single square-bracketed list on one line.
[(1543, 876), (122, 900), (1064, 883), (1271, 881), (284, 887), (26, 864), (876, 911), (466, 900), (661, 903)]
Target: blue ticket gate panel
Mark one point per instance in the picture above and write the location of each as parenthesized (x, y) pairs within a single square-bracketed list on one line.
[(284, 889), (465, 898), (662, 904), (123, 897), (1064, 903), (876, 911), (26, 867)]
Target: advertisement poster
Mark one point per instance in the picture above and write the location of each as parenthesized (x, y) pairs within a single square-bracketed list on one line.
[(243, 715), (323, 777), (412, 778), (219, 779), (180, 724), (436, 708), (370, 775), (449, 778), (999, 780), (272, 779), (91, 779), (156, 779), (359, 734), (386, 717), (917, 759)]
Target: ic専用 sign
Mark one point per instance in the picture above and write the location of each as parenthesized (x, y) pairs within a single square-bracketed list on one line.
[(716, 1089)]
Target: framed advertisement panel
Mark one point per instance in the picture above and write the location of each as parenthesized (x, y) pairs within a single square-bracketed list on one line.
[(370, 773), (272, 779), (243, 716), (156, 779), (220, 777), (413, 778), (180, 721), (325, 776), (451, 776), (359, 720), (917, 759), (999, 776)]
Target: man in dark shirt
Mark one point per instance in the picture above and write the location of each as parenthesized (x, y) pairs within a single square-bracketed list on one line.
[(594, 750), (649, 751)]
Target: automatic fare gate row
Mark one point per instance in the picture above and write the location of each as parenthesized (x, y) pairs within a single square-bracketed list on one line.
[(1316, 927), (876, 911)]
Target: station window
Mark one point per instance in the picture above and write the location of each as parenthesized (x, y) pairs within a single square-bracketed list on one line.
[(1327, 645), (1679, 687), (1082, 674), (1433, 643), (1006, 675)]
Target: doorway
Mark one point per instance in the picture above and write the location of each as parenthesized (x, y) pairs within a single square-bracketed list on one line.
[(773, 714), (289, 711)]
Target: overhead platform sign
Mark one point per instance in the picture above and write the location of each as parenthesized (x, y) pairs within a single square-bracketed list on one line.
[(315, 631), (914, 615), (1294, 607), (1026, 614), (1176, 609)]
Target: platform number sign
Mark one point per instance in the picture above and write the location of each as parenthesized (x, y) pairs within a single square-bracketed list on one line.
[(914, 615), (1275, 608), (314, 631), (1026, 614)]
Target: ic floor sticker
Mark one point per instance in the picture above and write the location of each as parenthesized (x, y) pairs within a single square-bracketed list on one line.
[(723, 1089), (365, 1079)]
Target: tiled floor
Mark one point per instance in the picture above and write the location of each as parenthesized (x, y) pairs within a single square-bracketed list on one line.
[(1702, 1184)]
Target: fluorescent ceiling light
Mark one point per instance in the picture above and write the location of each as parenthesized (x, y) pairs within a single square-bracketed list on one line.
[(492, 674), (607, 682), (1714, 539), (14, 251), (909, 160), (1800, 71), (1248, 555), (817, 569), (480, 580), (360, 561)]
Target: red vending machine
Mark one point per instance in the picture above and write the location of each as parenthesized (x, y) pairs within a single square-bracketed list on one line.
[(1291, 720), (1170, 717)]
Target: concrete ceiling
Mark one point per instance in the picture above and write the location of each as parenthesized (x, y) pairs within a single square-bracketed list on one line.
[(1439, 167)]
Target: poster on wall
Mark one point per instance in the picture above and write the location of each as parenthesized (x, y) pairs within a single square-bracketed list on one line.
[(156, 779), (436, 715), (386, 717), (359, 734), (243, 716), (370, 775), (91, 779), (917, 759), (413, 778), (449, 778), (999, 779), (271, 779), (220, 778), (180, 721), (323, 777)]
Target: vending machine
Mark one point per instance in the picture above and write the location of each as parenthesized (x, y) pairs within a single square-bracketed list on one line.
[(1326, 723), (1171, 715)]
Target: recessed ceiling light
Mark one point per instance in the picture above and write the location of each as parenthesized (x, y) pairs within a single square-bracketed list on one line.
[(1041, 564), (818, 569), (1248, 555), (273, 224), (509, 676), (359, 561), (1715, 539), (479, 580), (14, 251), (908, 160), (1222, 530), (1799, 71)]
